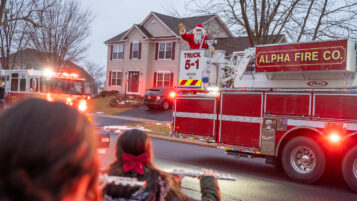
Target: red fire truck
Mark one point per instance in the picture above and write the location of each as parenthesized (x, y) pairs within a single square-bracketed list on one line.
[(28, 83), (293, 104)]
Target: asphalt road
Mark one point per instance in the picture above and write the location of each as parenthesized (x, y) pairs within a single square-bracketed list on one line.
[(256, 181), (144, 112)]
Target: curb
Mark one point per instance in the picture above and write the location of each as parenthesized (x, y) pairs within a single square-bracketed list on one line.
[(185, 141)]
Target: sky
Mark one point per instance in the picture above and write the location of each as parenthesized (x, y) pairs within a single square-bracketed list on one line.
[(111, 17)]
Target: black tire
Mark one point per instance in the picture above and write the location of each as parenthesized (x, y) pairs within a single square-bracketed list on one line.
[(349, 168), (165, 105), (303, 160)]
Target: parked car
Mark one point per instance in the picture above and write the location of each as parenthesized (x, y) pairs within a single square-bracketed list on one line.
[(160, 97)]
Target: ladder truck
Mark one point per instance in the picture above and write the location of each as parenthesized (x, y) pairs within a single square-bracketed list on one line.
[(293, 104)]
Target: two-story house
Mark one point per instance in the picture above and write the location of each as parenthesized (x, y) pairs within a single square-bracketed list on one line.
[(148, 54)]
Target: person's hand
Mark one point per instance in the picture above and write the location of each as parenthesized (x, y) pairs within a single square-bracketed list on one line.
[(181, 27), (209, 172), (211, 49)]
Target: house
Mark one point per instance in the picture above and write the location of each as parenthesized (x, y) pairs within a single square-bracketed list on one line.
[(32, 59), (148, 54)]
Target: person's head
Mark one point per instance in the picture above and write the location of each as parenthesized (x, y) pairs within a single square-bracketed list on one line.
[(47, 152), (134, 142), (198, 33)]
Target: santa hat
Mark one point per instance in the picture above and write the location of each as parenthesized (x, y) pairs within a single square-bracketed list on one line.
[(199, 26)]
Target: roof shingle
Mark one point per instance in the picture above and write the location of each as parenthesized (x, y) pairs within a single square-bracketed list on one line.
[(171, 22)]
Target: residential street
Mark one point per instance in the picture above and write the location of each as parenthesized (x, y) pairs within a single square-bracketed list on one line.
[(255, 180), (144, 112)]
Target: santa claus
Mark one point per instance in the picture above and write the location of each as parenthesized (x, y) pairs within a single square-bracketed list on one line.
[(197, 39)]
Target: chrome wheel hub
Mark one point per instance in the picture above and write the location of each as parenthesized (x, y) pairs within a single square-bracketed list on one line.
[(303, 160)]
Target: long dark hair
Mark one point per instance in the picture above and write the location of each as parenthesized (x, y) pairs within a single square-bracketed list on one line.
[(134, 142), (45, 149)]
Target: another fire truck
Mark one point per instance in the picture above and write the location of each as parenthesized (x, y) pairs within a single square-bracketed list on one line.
[(65, 87), (293, 104)]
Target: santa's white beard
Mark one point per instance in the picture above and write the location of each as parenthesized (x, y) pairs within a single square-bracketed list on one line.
[(197, 37)]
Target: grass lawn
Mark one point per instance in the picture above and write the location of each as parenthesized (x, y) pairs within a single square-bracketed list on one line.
[(150, 128), (102, 104)]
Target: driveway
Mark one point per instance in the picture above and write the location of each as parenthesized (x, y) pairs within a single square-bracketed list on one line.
[(144, 112)]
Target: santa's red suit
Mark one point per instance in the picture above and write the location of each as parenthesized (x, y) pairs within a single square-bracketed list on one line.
[(190, 39)]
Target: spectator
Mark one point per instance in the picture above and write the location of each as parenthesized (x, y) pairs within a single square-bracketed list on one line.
[(134, 159), (47, 153)]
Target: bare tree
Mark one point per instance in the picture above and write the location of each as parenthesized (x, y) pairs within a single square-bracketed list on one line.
[(16, 16), (97, 72), (64, 28), (263, 20), (25, 12)]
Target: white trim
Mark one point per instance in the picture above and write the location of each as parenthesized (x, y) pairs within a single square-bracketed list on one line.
[(317, 124), (158, 51), (195, 115), (245, 119)]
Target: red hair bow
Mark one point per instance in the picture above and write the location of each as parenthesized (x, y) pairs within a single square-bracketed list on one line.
[(136, 163)]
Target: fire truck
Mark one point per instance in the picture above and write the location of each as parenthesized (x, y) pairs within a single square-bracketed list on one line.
[(22, 84), (293, 104)]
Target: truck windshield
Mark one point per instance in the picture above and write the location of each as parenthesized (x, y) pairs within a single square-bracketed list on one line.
[(56, 85)]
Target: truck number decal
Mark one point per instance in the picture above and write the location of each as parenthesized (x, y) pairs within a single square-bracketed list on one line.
[(188, 64)]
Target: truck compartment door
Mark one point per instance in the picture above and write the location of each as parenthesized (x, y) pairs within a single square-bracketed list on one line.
[(240, 118), (195, 116)]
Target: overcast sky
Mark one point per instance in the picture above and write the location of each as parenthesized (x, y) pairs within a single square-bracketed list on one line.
[(115, 16)]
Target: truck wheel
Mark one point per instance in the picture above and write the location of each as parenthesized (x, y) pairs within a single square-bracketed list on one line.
[(165, 105), (303, 160), (349, 168)]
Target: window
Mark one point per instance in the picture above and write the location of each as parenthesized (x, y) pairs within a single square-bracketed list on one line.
[(116, 78), (34, 84), (163, 79), (118, 52), (165, 50), (14, 81), (23, 84), (135, 52)]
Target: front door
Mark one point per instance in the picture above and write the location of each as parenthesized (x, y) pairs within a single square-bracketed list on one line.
[(133, 82)]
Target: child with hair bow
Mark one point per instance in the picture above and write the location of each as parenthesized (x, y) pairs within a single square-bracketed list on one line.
[(134, 159)]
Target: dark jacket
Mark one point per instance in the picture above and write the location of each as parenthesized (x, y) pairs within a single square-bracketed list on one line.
[(161, 187)]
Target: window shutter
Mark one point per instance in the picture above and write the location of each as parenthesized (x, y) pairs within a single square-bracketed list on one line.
[(172, 78), (123, 51), (111, 52), (139, 56), (173, 51), (110, 78), (157, 50), (155, 75), (131, 51)]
